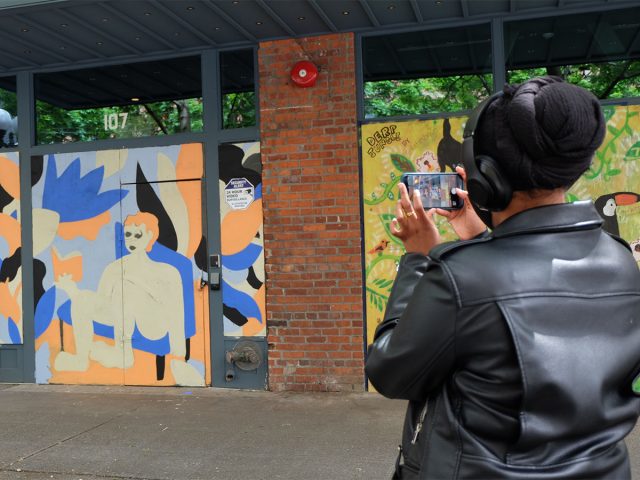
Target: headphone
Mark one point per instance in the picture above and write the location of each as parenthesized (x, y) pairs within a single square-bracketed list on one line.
[(489, 190)]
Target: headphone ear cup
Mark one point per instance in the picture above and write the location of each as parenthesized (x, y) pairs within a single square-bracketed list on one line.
[(498, 190)]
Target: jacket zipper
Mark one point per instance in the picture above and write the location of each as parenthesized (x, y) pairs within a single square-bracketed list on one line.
[(418, 428)]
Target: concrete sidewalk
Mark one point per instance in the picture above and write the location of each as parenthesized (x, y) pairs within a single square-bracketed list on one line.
[(91, 433)]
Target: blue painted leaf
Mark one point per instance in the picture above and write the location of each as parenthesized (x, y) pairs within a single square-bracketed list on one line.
[(75, 197), (243, 259), (240, 301), (14, 332), (44, 311), (64, 312)]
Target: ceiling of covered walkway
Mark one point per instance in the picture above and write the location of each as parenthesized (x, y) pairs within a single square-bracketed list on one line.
[(61, 33)]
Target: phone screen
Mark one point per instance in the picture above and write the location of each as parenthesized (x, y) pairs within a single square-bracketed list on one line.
[(436, 189)]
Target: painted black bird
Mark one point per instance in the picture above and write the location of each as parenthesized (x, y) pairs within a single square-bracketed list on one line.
[(449, 149), (607, 206)]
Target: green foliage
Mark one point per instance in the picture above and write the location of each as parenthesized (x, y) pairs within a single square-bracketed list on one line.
[(425, 95), (620, 79), (239, 110), (387, 98), (57, 125)]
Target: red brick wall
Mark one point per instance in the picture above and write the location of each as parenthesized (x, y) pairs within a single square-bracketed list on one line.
[(309, 148)]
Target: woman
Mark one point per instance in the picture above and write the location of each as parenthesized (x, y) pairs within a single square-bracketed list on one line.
[(516, 348)]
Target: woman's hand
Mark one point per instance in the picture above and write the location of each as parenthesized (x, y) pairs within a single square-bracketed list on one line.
[(413, 225), (465, 221)]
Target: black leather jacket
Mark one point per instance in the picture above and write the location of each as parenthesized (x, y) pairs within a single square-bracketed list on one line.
[(525, 343)]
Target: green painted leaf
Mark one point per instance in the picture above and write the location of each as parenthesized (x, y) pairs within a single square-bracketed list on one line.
[(633, 153), (613, 130), (570, 197), (383, 283), (613, 172), (385, 219), (608, 112), (402, 163)]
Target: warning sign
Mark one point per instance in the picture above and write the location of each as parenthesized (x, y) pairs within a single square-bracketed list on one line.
[(239, 193)]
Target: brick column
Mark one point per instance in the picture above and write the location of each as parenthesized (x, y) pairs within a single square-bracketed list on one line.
[(309, 146)]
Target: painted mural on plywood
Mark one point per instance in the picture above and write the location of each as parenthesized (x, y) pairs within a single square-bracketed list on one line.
[(613, 181), (391, 148), (243, 288), (10, 251), (123, 255)]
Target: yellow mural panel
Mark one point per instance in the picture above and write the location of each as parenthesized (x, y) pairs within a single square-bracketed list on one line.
[(388, 150), (391, 148)]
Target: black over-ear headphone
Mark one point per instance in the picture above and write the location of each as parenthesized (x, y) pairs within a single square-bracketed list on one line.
[(489, 190)]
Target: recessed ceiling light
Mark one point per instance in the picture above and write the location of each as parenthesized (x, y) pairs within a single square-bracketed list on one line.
[(438, 2), (190, 8), (258, 22), (176, 34), (301, 18), (147, 14), (24, 29), (105, 19), (218, 28), (346, 12), (64, 25), (138, 37), (135, 99), (235, 2), (99, 43), (391, 7)]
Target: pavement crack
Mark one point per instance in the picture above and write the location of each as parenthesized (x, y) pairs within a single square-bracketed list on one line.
[(70, 437), (80, 474)]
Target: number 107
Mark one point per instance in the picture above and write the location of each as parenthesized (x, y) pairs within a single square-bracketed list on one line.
[(113, 121)]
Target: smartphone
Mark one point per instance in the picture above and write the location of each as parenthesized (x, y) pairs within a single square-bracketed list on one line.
[(436, 189)]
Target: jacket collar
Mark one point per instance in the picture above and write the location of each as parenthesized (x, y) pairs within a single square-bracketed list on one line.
[(551, 218)]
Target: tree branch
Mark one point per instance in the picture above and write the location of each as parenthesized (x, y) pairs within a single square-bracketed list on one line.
[(155, 117), (615, 81)]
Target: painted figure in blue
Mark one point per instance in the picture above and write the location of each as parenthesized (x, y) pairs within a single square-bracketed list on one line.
[(146, 294)]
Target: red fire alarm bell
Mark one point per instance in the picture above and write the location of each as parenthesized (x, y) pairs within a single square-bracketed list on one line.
[(304, 74)]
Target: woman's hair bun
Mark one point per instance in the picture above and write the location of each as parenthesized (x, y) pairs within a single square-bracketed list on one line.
[(543, 132)]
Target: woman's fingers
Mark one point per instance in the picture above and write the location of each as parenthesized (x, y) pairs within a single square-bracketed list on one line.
[(417, 200), (396, 224), (396, 229), (405, 202)]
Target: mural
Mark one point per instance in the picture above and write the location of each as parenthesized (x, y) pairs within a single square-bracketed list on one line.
[(122, 258), (391, 148), (10, 258), (613, 181), (243, 288)]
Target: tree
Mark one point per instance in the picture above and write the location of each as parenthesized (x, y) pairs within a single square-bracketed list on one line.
[(457, 93), (425, 95), (58, 125)]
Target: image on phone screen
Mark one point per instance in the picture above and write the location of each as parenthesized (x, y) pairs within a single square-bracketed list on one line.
[(436, 190)]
